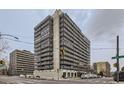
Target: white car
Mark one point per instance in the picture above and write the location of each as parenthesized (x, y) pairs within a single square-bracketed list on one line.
[(94, 76), (87, 76), (22, 76), (83, 76)]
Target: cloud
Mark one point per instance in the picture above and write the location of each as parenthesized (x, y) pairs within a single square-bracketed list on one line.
[(105, 24), (79, 16), (102, 27)]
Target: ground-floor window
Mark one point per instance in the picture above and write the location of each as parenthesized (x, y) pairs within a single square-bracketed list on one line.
[(71, 74), (64, 75), (75, 74), (68, 74)]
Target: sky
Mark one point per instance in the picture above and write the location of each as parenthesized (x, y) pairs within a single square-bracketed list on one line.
[(100, 26)]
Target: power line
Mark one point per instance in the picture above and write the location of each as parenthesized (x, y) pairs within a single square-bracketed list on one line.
[(8, 35), (106, 48), (27, 37), (33, 44), (19, 41)]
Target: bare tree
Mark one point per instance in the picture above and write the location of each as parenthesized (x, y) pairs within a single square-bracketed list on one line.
[(3, 46)]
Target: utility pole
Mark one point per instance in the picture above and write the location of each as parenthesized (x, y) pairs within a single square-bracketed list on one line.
[(117, 58)]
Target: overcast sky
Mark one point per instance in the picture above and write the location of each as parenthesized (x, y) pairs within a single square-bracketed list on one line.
[(100, 26)]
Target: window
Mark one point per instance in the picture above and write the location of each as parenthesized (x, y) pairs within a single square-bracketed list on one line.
[(68, 43), (75, 74), (45, 43), (45, 32), (64, 75), (68, 74), (71, 74)]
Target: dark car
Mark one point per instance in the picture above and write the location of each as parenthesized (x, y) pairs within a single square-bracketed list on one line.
[(121, 76)]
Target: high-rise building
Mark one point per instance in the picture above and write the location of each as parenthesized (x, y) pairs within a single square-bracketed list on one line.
[(61, 49), (102, 67), (21, 62)]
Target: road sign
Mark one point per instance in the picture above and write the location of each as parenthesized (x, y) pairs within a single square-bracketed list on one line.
[(118, 57)]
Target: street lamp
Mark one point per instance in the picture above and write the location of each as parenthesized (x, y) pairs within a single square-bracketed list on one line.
[(8, 35)]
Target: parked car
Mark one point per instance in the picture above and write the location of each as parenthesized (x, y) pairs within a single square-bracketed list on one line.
[(94, 76), (84, 76), (121, 76), (98, 76), (29, 76), (22, 76), (87, 76)]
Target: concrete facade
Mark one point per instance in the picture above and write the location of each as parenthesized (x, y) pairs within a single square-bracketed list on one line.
[(103, 67), (56, 40), (43, 44), (66, 49), (52, 74), (21, 62)]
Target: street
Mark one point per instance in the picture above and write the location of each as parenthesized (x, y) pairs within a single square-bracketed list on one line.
[(18, 80)]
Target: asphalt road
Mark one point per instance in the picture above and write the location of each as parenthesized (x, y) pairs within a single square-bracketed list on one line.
[(18, 80)]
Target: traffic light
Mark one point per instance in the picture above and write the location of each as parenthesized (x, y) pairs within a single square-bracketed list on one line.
[(61, 51), (2, 62), (115, 65)]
